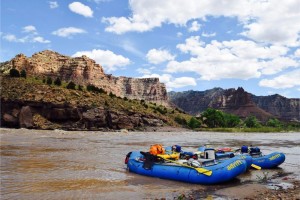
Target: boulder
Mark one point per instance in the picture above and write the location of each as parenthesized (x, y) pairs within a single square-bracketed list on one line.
[(26, 117)]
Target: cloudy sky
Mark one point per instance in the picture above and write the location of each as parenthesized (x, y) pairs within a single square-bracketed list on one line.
[(188, 44)]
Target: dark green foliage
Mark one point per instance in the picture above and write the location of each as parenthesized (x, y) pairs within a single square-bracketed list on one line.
[(14, 73), (44, 80), (274, 123), (145, 105), (180, 120), (125, 99), (142, 101), (23, 73), (213, 118), (57, 81), (160, 110), (93, 88), (105, 103), (231, 120), (80, 88), (112, 95), (194, 123), (252, 122), (71, 85), (49, 80)]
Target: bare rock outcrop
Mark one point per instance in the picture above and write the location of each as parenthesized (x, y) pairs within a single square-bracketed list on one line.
[(42, 115), (239, 102), (83, 70)]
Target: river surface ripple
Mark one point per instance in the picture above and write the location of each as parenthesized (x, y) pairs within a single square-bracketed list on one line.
[(57, 164)]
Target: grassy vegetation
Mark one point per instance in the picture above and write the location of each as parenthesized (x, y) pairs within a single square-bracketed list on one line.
[(37, 89), (263, 129)]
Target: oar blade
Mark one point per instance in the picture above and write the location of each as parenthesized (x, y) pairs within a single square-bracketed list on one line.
[(204, 171), (256, 167)]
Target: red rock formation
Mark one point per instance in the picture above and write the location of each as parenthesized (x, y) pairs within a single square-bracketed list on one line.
[(83, 71)]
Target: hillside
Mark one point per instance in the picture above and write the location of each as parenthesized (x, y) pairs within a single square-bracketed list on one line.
[(30, 103), (83, 70), (238, 102)]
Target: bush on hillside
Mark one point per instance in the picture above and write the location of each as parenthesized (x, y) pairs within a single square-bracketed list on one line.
[(49, 81), (23, 73), (14, 73), (71, 85), (57, 81), (194, 123)]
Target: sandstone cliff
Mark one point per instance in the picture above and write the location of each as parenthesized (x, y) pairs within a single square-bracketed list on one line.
[(83, 71), (30, 103), (239, 102)]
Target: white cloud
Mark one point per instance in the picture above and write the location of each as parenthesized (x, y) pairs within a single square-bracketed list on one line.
[(81, 9), (29, 29), (239, 59), (157, 56), (31, 36), (53, 4), (143, 71), (297, 53), (109, 60), (195, 27), (40, 40), (208, 34), (130, 46), (182, 82), (263, 21), (10, 38), (287, 80), (67, 32), (179, 34), (173, 82), (122, 25)]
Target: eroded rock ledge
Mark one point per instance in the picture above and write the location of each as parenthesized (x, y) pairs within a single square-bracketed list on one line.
[(45, 115)]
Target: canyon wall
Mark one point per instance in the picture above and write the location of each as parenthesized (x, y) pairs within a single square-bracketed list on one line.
[(83, 70)]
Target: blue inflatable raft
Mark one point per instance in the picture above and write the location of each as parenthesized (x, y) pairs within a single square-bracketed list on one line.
[(269, 161), (220, 172), (253, 155), (221, 156)]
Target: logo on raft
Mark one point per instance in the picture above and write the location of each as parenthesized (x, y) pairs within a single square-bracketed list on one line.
[(234, 164), (274, 157)]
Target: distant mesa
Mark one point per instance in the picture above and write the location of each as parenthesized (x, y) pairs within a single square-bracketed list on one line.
[(83, 70), (238, 102)]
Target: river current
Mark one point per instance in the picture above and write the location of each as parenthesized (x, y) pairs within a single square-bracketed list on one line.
[(37, 164)]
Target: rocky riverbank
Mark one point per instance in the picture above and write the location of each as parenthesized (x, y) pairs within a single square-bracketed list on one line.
[(30, 103)]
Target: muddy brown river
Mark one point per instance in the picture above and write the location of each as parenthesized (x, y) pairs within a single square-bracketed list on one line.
[(59, 164)]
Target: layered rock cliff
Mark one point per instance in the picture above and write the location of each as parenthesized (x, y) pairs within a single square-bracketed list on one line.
[(30, 103), (239, 102), (84, 71)]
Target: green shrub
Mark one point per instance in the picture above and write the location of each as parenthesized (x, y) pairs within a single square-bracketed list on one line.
[(23, 73), (79, 87), (14, 73), (93, 88), (57, 81), (180, 120), (213, 118), (194, 123), (49, 80), (252, 122), (71, 85), (274, 123), (231, 120)]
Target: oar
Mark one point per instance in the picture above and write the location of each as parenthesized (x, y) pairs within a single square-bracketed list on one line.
[(198, 169), (256, 166)]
